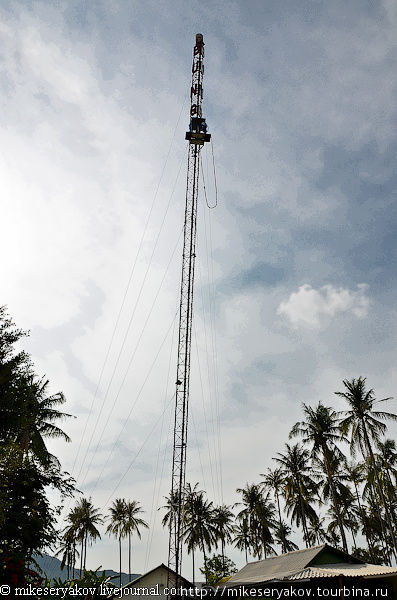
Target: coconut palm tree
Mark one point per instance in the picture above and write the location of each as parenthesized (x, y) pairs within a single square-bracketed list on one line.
[(321, 432), (356, 475), (85, 518), (259, 512), (191, 526), (223, 519), (300, 489), (386, 457), (366, 426), (117, 516), (38, 419), (274, 480), (281, 535), (132, 523), (242, 537), (67, 548), (72, 532), (171, 507), (316, 532), (199, 529)]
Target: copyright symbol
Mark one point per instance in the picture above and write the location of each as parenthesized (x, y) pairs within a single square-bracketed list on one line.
[(4, 590)]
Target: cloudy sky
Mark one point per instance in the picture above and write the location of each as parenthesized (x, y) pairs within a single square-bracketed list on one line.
[(296, 281)]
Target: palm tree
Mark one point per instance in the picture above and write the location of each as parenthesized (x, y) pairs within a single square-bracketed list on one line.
[(132, 523), (274, 480), (117, 518), (355, 473), (85, 519), (171, 507), (67, 549), (282, 532), (387, 459), (321, 431), (72, 531), (316, 532), (259, 512), (223, 523), (39, 415), (199, 529), (300, 488), (366, 426), (191, 527), (242, 538)]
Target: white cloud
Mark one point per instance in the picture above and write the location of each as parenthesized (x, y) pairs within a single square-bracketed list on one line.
[(314, 308)]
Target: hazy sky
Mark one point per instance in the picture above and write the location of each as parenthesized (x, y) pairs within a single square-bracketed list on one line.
[(296, 284)]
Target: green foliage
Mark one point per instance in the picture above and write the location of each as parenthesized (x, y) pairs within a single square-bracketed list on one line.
[(218, 567), (376, 557), (88, 587), (27, 469)]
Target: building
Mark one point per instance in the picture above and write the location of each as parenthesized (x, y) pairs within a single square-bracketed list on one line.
[(153, 584), (324, 569)]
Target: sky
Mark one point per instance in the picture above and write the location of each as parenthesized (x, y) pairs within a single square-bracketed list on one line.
[(295, 275)]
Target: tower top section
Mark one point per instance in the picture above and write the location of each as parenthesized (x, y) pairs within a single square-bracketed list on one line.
[(197, 133)]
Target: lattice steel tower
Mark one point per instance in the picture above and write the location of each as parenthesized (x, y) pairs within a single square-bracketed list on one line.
[(197, 136)]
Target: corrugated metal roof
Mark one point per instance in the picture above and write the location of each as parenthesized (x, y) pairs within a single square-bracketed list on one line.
[(296, 566), (276, 567), (345, 569)]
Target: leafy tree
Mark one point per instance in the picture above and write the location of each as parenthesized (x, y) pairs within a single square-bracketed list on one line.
[(218, 567), (90, 585), (26, 469), (13, 367)]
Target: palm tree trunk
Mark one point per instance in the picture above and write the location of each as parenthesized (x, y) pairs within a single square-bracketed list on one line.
[(354, 539), (389, 523), (205, 559), (129, 555), (303, 517), (334, 499), (223, 555), (193, 564), (279, 518), (367, 537), (383, 539), (120, 558), (74, 557), (82, 555)]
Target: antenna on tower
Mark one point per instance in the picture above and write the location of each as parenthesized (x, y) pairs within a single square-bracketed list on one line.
[(197, 137)]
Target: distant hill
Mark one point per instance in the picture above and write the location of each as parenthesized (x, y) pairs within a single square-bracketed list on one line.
[(51, 566)]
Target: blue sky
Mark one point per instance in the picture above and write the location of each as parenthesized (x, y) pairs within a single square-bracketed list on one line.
[(295, 278)]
